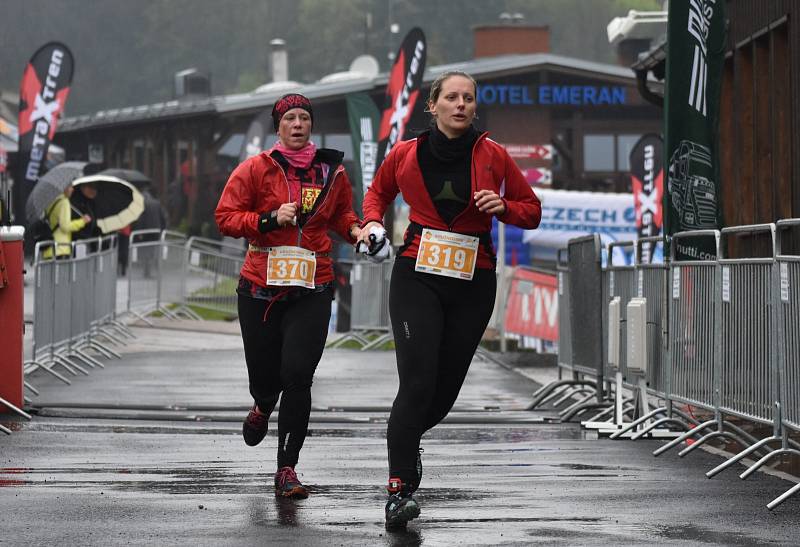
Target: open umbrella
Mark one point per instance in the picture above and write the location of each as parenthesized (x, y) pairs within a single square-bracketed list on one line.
[(117, 203), (137, 178), (50, 186)]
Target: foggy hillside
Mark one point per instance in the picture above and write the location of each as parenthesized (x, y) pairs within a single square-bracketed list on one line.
[(126, 52)]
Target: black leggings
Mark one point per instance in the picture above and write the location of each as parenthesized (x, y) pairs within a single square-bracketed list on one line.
[(438, 323), (282, 354)]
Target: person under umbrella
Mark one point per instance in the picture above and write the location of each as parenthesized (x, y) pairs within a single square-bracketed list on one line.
[(59, 217), (49, 200), (153, 218), (83, 203), (116, 204)]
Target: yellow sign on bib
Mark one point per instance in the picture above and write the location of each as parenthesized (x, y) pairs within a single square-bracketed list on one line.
[(291, 266), (447, 254)]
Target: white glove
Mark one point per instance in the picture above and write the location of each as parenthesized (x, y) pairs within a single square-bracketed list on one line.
[(379, 248)]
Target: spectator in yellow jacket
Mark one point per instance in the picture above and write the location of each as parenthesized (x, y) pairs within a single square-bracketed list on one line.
[(63, 226)]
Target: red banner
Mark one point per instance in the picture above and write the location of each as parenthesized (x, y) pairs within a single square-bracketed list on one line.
[(530, 151), (538, 176), (532, 308), (43, 92), (405, 80)]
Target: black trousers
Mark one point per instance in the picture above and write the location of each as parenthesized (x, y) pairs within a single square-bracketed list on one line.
[(438, 323), (282, 354)]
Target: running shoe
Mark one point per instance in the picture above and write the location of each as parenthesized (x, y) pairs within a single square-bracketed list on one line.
[(401, 506), (254, 428), (287, 484)]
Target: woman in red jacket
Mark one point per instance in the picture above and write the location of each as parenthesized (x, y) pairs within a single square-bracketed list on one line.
[(443, 285), (284, 201)]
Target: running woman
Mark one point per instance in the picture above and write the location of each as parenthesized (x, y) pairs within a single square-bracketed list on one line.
[(284, 201), (455, 180)]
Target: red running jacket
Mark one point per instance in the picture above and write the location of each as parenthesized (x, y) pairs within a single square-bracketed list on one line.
[(258, 185), (492, 169)]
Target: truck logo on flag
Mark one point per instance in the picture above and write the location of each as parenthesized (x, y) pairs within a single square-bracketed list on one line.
[(697, 41)]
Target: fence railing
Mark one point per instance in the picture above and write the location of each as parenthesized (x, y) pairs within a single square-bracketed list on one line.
[(721, 335), (74, 320), (722, 339)]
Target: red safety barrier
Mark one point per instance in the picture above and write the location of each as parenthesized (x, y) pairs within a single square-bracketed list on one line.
[(532, 308), (11, 315)]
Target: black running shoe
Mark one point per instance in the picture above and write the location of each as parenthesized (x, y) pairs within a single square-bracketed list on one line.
[(254, 428), (287, 485), (401, 506)]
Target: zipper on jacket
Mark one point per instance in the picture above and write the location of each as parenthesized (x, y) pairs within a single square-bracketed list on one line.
[(289, 191), (473, 182)]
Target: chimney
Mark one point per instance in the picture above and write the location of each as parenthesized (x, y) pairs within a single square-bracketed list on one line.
[(514, 38), (191, 83), (628, 50), (279, 60)]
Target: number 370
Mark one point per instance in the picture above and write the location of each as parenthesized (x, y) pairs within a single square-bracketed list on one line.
[(289, 268)]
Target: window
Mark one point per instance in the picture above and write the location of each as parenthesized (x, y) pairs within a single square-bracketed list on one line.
[(340, 141), (625, 144), (233, 146), (598, 152), (608, 153)]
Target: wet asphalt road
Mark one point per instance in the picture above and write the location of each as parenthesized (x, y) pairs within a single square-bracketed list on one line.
[(148, 452)]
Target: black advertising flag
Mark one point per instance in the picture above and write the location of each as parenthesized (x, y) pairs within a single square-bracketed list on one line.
[(647, 181), (363, 116), (43, 93), (695, 55), (402, 91)]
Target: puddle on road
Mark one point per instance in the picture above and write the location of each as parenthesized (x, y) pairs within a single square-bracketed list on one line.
[(690, 532)]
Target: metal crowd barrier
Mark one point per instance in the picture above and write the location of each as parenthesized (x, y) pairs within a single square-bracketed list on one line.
[(564, 325), (584, 287), (755, 366), (731, 346), (173, 262), (370, 325), (788, 323), (74, 309), (618, 280), (157, 270), (651, 283), (212, 274), (644, 279), (695, 349)]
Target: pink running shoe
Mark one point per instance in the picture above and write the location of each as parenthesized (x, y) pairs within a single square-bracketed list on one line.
[(287, 484)]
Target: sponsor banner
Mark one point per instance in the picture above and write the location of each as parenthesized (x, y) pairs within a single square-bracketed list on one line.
[(530, 151), (532, 307), (256, 135), (538, 176), (43, 93), (402, 91), (647, 180), (696, 34), (567, 214), (363, 116)]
